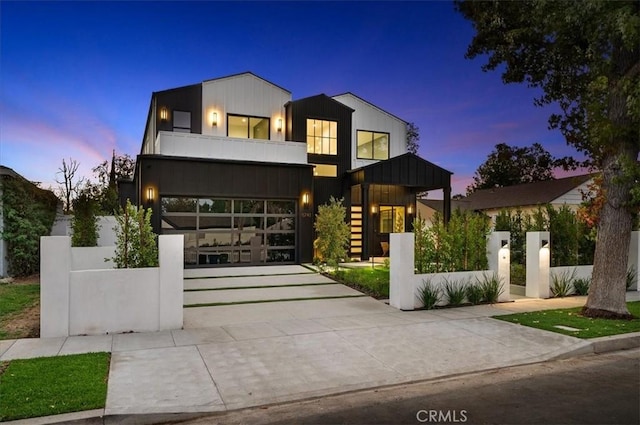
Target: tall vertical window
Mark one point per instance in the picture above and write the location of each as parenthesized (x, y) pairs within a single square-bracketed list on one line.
[(182, 121), (247, 127), (322, 137), (391, 219), (372, 145)]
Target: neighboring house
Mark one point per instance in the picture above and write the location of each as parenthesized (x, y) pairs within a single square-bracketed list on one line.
[(525, 197), (239, 168)]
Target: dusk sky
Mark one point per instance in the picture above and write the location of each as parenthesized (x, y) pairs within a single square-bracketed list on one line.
[(77, 77)]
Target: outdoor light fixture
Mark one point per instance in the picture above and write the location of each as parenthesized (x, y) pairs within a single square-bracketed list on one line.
[(164, 114), (150, 194), (504, 243), (214, 119), (544, 243), (279, 124), (305, 199), (374, 209), (410, 209)]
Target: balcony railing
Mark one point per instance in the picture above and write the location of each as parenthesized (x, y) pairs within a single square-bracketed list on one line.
[(215, 147)]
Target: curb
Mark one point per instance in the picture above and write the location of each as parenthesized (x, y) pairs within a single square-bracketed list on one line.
[(600, 345)]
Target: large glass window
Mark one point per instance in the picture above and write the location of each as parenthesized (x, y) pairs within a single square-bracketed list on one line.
[(325, 170), (372, 145), (247, 127), (322, 137), (219, 231), (391, 219)]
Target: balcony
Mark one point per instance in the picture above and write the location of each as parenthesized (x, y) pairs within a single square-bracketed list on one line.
[(215, 147)]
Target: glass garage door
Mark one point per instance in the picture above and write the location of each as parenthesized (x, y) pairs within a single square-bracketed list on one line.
[(232, 231)]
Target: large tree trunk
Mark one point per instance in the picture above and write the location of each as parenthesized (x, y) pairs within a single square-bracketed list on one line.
[(608, 289), (608, 286)]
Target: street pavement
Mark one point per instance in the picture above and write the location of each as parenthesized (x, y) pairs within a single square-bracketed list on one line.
[(244, 355)]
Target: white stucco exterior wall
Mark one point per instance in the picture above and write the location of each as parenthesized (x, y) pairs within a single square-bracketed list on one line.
[(369, 117)]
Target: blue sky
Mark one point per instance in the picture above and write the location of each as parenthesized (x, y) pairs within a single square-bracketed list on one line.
[(76, 77)]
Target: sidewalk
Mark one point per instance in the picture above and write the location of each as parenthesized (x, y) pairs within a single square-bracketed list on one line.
[(239, 356)]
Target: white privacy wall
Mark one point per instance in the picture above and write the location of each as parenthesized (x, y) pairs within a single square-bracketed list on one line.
[(405, 283), (77, 299)]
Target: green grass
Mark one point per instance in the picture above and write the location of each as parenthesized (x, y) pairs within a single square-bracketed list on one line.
[(589, 328), (373, 282), (53, 385), (13, 300)]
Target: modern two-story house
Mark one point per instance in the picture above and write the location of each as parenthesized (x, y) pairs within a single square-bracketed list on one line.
[(239, 168)]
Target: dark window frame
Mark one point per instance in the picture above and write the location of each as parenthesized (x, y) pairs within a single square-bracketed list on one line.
[(248, 117), (373, 133)]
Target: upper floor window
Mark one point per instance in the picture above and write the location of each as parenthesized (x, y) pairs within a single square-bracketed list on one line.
[(372, 145), (322, 137), (182, 121), (247, 127)]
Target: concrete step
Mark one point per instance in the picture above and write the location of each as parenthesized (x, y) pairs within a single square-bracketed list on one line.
[(245, 271), (253, 281), (268, 294)]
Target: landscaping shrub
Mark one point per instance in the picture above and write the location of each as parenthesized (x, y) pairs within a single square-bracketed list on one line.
[(632, 276), (581, 285), (333, 232), (490, 287), (455, 291), (135, 240), (518, 274), (458, 246), (429, 294), (562, 283), (474, 293), (84, 222), (28, 214)]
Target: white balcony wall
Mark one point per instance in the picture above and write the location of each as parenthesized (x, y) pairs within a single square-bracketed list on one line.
[(243, 94), (215, 147), (368, 117)]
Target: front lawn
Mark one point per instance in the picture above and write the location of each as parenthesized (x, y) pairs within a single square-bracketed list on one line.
[(373, 282), (53, 385), (16, 301), (570, 317)]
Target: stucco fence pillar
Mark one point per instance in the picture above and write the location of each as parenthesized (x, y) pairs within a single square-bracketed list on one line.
[(77, 297), (538, 265), (404, 282)]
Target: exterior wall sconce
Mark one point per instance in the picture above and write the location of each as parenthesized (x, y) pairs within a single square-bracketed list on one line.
[(164, 113), (410, 210), (305, 200), (374, 209), (150, 194), (214, 119), (279, 125)]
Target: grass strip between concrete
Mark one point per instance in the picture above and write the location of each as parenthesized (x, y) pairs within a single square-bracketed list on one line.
[(260, 287), (246, 275), (565, 320), (47, 386), (272, 301)]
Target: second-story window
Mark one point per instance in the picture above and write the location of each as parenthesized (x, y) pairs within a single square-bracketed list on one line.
[(182, 121), (322, 137), (247, 127), (372, 145)]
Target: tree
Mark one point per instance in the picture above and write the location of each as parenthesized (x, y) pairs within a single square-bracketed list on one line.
[(108, 174), (66, 176), (413, 138), (135, 240), (333, 232), (584, 55), (510, 165)]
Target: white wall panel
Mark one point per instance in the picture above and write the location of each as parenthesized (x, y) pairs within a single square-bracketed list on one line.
[(371, 118), (243, 94)]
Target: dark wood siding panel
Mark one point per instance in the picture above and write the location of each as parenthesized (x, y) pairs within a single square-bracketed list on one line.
[(188, 99)]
